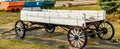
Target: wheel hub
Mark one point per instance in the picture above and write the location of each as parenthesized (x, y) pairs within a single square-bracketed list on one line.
[(49, 27), (19, 29), (105, 31), (76, 37)]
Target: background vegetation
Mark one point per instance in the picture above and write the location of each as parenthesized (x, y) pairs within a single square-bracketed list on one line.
[(111, 6)]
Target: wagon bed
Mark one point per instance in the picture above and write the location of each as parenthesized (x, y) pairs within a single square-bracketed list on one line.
[(63, 17)]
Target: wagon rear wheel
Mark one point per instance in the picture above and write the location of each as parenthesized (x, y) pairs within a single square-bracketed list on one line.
[(107, 31), (77, 37), (49, 28), (20, 29)]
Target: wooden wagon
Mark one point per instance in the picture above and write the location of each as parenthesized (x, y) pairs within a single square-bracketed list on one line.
[(81, 23)]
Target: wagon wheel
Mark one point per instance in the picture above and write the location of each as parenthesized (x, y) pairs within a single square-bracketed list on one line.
[(107, 31), (49, 28), (20, 29), (77, 37)]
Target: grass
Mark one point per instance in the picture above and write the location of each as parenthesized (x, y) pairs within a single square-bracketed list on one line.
[(2, 47), (114, 47), (82, 7), (117, 28), (94, 43), (17, 44), (8, 17), (62, 45)]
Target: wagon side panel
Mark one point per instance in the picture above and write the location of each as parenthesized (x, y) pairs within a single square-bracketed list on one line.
[(41, 17), (66, 18), (24, 15)]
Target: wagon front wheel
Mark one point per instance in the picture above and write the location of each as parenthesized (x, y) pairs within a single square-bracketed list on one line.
[(49, 28), (77, 37), (107, 31), (20, 29)]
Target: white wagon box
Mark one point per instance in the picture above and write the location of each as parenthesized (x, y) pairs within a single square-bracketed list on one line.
[(63, 17)]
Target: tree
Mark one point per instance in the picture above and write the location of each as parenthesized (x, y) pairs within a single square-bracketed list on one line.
[(109, 5)]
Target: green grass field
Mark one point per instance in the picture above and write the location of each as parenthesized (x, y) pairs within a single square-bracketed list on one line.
[(8, 17), (82, 7), (19, 44)]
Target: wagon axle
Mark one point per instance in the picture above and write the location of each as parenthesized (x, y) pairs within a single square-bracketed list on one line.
[(104, 30), (19, 29)]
